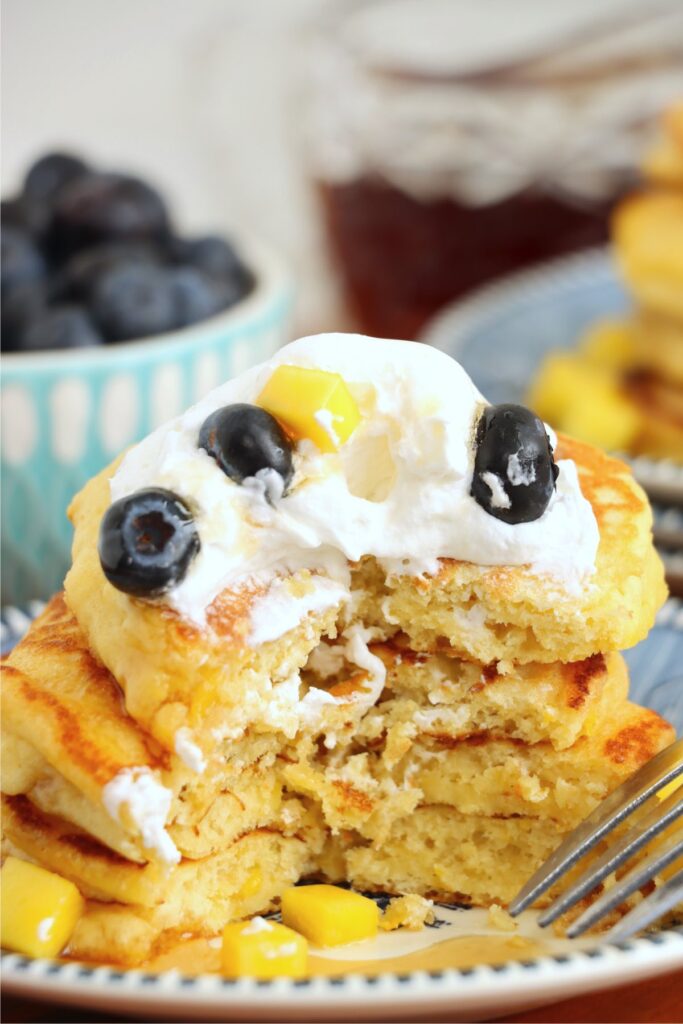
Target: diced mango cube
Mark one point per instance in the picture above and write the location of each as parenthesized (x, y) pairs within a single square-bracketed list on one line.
[(328, 915), (584, 400), (610, 344), (38, 909), (603, 416), (670, 788), (311, 403), (558, 380), (263, 949), (252, 883)]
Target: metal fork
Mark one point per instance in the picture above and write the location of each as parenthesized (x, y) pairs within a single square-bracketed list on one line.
[(646, 783)]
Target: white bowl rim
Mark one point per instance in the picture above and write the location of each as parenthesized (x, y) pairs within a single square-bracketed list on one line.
[(273, 281)]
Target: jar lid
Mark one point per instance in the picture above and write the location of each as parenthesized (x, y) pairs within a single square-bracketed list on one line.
[(461, 38)]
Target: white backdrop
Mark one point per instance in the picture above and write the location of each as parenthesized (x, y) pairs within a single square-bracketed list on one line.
[(204, 97), (200, 95)]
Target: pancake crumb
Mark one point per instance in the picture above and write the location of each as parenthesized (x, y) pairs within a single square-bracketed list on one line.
[(499, 918), (410, 911)]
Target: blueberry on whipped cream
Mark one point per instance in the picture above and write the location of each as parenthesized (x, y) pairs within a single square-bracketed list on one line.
[(147, 542), (514, 471), (245, 440)]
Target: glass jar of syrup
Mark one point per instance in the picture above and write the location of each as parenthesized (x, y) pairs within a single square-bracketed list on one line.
[(454, 141)]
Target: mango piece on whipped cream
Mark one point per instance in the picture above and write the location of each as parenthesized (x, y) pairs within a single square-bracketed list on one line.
[(313, 404)]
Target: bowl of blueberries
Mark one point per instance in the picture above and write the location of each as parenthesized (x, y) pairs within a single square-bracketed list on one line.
[(112, 323)]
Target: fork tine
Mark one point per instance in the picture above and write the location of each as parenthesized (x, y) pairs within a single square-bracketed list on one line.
[(661, 769), (646, 828), (658, 903), (643, 872)]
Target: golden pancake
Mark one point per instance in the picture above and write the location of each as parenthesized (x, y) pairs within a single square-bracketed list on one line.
[(175, 675), (661, 406), (658, 343), (531, 702), (66, 735), (168, 669), (136, 904), (405, 755), (453, 857), (508, 614)]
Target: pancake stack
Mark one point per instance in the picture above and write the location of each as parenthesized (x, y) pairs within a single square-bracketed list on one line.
[(623, 387), (435, 733), (648, 238), (504, 716), (155, 847)]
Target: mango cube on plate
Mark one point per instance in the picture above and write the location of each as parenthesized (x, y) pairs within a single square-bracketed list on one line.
[(313, 404), (263, 949), (328, 915), (38, 909)]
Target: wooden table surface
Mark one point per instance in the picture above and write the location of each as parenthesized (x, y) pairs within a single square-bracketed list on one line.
[(657, 1000)]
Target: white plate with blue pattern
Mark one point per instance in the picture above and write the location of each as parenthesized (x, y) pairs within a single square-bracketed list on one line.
[(422, 986)]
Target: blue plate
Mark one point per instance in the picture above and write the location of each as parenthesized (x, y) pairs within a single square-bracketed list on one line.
[(501, 334)]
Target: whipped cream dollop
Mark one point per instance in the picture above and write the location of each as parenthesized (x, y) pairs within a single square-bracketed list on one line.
[(136, 799), (398, 489)]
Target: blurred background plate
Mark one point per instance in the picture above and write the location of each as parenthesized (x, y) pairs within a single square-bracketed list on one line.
[(502, 332)]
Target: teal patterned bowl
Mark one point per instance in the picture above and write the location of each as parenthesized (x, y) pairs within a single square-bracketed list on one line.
[(66, 414)]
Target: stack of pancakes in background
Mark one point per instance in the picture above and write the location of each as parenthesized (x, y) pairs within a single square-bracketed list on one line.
[(433, 735), (622, 388), (648, 239)]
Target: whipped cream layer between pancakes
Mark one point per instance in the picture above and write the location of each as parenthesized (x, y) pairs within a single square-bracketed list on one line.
[(398, 489)]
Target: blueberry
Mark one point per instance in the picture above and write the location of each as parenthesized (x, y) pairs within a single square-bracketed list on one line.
[(81, 272), (23, 212), (244, 439), (196, 295), (22, 304), (96, 208), (235, 288), (514, 472), (133, 301), (12, 213), (211, 253), (147, 542), (48, 175), (58, 327), (216, 258), (20, 261)]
